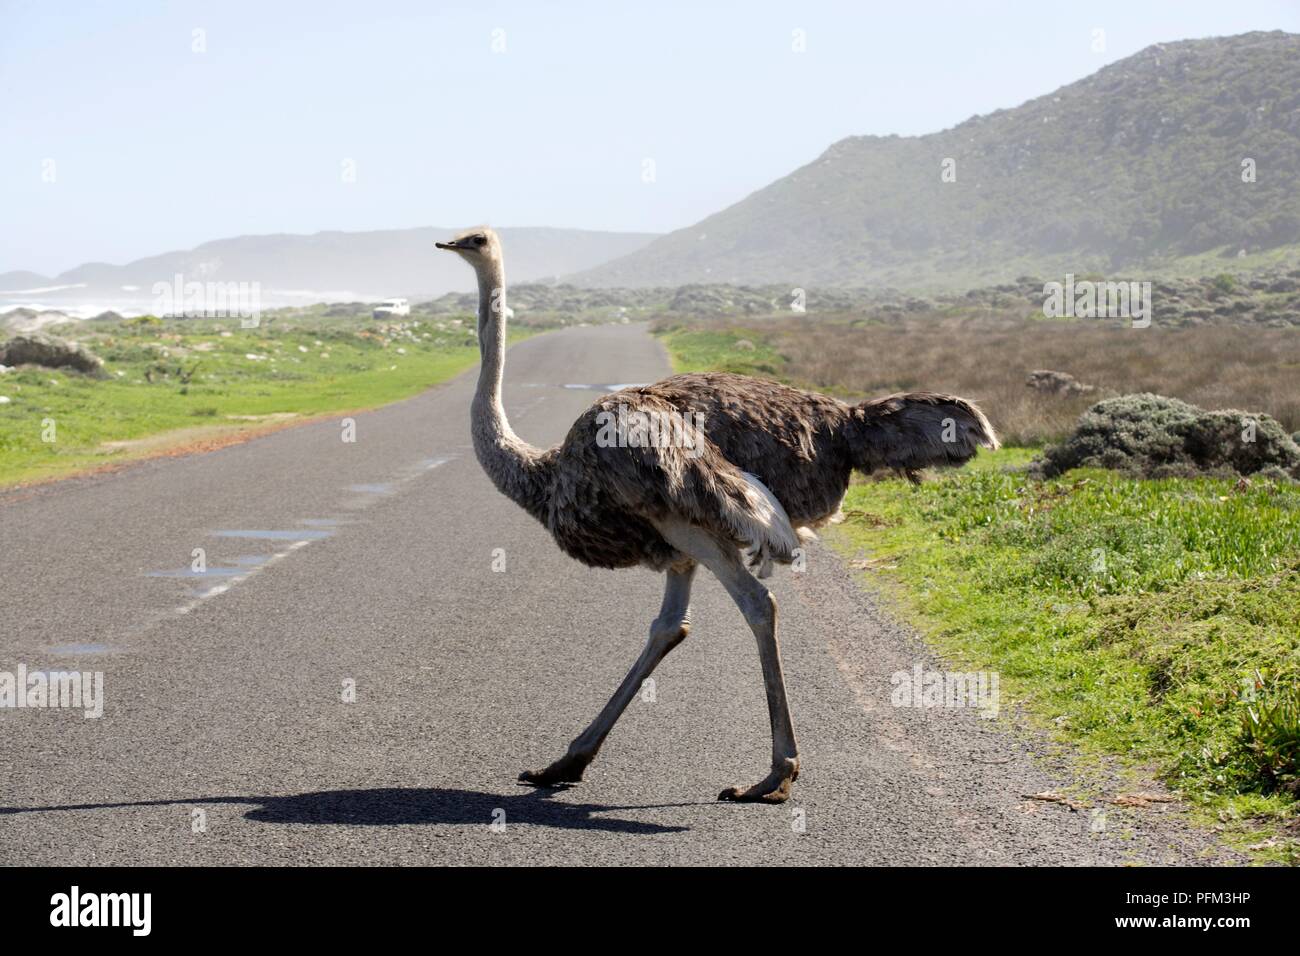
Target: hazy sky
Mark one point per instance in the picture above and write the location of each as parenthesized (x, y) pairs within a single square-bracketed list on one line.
[(156, 146)]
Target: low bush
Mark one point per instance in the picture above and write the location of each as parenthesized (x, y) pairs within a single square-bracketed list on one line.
[(1153, 436)]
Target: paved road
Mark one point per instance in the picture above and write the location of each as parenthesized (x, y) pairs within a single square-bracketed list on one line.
[(372, 562)]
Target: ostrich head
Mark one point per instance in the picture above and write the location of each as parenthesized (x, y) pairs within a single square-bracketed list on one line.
[(480, 247)]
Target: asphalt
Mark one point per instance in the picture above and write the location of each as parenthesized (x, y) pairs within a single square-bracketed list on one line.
[(226, 739)]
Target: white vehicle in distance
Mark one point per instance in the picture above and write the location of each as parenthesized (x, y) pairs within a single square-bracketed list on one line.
[(389, 308)]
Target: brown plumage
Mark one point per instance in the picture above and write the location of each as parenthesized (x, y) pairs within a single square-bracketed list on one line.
[(696, 469), (599, 502)]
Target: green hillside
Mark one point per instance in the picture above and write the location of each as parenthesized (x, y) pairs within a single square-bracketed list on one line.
[(1137, 167)]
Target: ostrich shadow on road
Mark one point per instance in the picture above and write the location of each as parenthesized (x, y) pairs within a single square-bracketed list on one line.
[(411, 806)]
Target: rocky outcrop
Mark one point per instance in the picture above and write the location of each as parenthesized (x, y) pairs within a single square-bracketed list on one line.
[(1055, 383), (50, 351)]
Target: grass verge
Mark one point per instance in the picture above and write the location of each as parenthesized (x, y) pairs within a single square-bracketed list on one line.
[(192, 384), (1155, 621), (730, 350)]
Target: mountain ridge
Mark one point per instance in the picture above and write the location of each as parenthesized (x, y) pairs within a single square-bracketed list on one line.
[(369, 264), (1139, 162)]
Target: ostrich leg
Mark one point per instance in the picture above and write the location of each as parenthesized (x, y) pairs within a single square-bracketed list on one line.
[(759, 608), (668, 630)]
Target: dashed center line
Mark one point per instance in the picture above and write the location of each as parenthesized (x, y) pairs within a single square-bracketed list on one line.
[(303, 535), (315, 529), (231, 582)]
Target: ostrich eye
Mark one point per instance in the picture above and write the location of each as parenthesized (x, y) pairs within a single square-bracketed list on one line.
[(480, 240)]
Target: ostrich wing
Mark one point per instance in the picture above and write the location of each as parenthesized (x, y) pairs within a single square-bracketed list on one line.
[(673, 470)]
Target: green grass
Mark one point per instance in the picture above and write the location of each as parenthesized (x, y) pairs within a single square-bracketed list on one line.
[(299, 372), (697, 350), (1137, 618)]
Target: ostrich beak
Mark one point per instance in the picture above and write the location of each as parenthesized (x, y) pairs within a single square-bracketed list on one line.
[(453, 245)]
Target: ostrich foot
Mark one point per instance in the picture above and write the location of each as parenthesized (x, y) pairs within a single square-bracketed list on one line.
[(774, 788), (568, 769)]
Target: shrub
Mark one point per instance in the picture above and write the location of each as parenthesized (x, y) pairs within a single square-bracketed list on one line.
[(1154, 436), (1270, 736)]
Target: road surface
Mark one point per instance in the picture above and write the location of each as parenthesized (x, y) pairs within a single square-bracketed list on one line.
[(369, 568)]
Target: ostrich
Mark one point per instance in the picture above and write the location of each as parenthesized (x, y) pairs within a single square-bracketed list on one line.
[(735, 492)]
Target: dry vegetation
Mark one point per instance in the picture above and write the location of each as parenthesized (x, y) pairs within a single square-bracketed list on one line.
[(988, 358)]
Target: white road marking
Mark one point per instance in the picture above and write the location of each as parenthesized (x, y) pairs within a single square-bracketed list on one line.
[(302, 537), (231, 582)]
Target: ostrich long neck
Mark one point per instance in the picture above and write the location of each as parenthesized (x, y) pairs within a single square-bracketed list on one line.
[(514, 466)]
